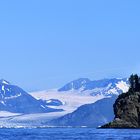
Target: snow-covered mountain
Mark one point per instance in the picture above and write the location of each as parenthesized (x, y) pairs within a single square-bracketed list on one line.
[(18, 108), (104, 86), (83, 91), (96, 113), (16, 100)]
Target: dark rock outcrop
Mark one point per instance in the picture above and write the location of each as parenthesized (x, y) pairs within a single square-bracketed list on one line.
[(127, 111)]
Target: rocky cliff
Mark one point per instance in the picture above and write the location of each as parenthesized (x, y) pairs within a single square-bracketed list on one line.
[(127, 111)]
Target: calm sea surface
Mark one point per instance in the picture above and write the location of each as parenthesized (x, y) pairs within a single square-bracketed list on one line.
[(69, 134)]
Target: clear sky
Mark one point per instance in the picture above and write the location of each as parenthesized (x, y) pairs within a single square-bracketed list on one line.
[(47, 43)]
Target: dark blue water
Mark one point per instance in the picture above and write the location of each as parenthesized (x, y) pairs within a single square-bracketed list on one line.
[(69, 134)]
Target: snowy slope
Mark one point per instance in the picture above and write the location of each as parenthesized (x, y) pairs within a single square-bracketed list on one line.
[(83, 91), (104, 86), (70, 100), (8, 119)]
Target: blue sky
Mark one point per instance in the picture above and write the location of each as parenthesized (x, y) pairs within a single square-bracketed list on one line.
[(44, 44)]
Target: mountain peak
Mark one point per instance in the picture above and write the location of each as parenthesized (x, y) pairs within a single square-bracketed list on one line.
[(75, 85), (2, 81), (103, 86), (83, 80)]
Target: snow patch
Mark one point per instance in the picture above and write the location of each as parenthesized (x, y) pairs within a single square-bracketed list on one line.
[(7, 114), (12, 97), (5, 82), (43, 106), (2, 102), (113, 91), (49, 101), (123, 86), (3, 89)]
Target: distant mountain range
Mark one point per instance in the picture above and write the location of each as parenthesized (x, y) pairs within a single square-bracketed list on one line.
[(14, 99), (95, 114), (82, 102), (105, 86)]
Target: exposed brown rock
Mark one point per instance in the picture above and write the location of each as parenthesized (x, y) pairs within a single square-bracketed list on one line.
[(127, 111)]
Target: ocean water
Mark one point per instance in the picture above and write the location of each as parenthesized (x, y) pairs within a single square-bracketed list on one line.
[(69, 134)]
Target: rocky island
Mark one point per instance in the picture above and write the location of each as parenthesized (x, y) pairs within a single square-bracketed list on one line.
[(127, 107)]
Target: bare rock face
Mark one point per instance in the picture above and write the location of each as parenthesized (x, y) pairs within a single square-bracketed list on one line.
[(127, 111)]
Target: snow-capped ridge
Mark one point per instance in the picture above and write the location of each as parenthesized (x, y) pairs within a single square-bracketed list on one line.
[(103, 86), (76, 84), (14, 99), (2, 81)]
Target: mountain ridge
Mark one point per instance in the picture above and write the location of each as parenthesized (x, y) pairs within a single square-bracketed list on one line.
[(89, 115), (15, 99), (108, 86)]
